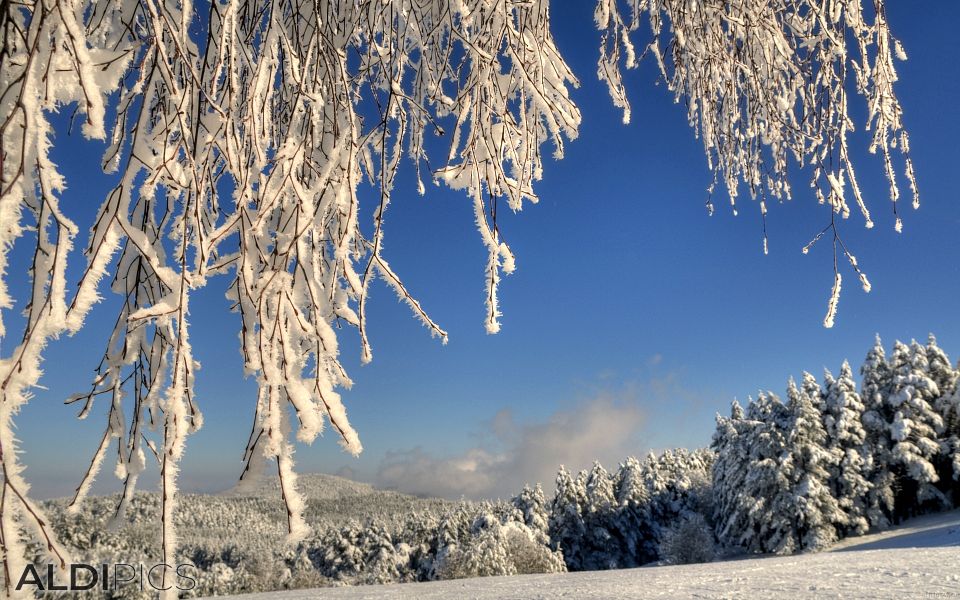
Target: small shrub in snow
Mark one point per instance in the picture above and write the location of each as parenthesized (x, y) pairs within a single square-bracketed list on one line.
[(689, 540)]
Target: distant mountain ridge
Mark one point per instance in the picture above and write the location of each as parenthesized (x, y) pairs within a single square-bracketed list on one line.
[(314, 486)]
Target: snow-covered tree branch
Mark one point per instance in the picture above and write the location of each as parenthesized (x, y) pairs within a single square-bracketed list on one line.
[(243, 153), (767, 81)]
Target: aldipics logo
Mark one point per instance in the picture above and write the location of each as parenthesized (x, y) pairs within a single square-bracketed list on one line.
[(78, 577)]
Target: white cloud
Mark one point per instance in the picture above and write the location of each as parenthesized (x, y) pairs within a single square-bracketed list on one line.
[(602, 428)]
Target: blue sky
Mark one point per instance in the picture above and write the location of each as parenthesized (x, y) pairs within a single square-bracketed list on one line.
[(632, 319)]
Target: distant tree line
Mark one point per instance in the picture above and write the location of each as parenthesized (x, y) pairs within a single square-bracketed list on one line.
[(644, 512)]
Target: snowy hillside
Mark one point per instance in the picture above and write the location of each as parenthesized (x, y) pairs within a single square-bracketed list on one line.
[(223, 531), (921, 558), (315, 486)]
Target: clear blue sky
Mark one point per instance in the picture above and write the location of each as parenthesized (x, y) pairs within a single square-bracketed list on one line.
[(632, 319)]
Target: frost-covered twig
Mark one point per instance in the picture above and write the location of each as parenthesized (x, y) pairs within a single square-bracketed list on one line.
[(767, 80)]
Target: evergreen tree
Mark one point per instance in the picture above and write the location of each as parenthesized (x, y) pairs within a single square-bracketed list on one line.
[(843, 411), (947, 405), (814, 391), (566, 525), (806, 510), (419, 534), (940, 369), (339, 556), (950, 444), (381, 561), (689, 540), (767, 408), (479, 553), (914, 431), (453, 530), (633, 525), (679, 484), (762, 528), (532, 505), (732, 443), (877, 421), (499, 548), (726, 473), (655, 480), (736, 411), (601, 549)]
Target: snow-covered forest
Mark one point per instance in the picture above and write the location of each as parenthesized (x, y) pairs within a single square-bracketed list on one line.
[(915, 560), (835, 459)]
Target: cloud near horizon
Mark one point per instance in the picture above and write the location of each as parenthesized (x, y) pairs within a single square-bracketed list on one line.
[(603, 428)]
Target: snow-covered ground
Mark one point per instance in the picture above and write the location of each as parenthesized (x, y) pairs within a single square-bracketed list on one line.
[(918, 560)]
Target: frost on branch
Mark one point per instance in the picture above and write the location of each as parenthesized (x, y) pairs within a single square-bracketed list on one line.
[(243, 140), (44, 62), (765, 81)]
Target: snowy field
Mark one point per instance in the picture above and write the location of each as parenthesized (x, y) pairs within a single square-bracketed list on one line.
[(918, 560)]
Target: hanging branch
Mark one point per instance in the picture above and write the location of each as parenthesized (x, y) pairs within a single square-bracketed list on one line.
[(245, 153), (766, 80)]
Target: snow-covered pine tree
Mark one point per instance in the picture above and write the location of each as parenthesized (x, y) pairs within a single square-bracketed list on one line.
[(481, 554), (679, 483), (533, 507), (339, 555), (633, 525), (752, 521), (768, 408), (732, 442), (241, 130), (941, 371), (419, 535), (724, 471), (498, 547), (805, 512), (453, 530), (765, 483), (601, 549), (950, 409), (947, 406), (736, 411), (814, 391), (381, 561), (655, 480), (566, 523), (842, 418), (914, 431), (876, 386)]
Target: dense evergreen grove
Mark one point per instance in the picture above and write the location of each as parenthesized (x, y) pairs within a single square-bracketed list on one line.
[(781, 476), (832, 461)]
